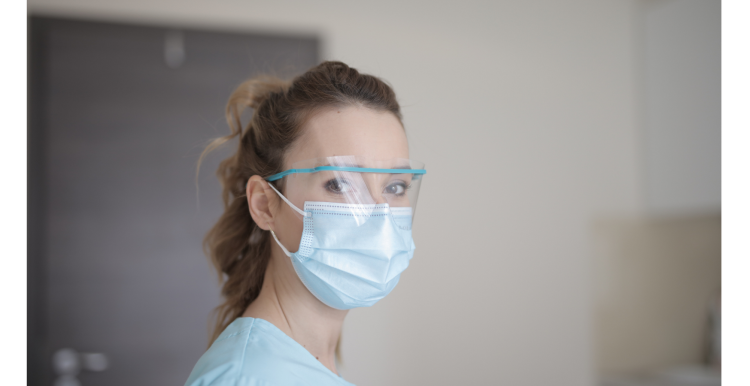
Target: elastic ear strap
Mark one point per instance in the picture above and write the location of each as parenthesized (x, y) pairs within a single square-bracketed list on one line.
[(278, 242), (303, 213)]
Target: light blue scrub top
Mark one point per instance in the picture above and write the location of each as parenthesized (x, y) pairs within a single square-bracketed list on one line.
[(253, 352)]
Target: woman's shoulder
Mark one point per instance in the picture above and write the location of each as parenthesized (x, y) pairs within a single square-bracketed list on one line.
[(221, 364), (252, 351)]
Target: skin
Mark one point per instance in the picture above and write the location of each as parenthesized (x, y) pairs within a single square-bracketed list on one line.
[(284, 301)]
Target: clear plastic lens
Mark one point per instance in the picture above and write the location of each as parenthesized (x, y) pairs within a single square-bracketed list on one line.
[(384, 182)]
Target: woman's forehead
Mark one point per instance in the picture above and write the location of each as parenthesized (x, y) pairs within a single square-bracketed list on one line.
[(350, 130)]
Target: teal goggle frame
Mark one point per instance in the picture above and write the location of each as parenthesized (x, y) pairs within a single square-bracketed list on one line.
[(277, 176)]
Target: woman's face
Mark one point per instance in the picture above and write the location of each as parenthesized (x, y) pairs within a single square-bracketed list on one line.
[(346, 131)]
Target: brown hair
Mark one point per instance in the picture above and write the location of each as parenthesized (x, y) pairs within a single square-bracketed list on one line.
[(237, 247)]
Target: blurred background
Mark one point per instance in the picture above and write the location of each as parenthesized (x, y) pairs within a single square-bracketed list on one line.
[(568, 230)]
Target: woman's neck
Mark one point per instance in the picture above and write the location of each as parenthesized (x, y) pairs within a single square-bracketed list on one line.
[(287, 304)]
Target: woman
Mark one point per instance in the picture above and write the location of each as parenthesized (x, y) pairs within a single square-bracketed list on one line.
[(323, 170)]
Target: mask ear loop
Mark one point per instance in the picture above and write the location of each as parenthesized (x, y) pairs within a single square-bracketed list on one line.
[(286, 251), (303, 213)]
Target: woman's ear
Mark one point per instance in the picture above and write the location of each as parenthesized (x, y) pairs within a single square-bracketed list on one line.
[(261, 200)]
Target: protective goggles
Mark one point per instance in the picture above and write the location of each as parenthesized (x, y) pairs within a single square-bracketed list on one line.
[(361, 186)]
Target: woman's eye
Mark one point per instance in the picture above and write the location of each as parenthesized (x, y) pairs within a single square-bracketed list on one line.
[(396, 189), (338, 186)]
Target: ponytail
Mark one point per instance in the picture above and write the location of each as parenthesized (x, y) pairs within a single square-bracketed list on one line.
[(237, 247)]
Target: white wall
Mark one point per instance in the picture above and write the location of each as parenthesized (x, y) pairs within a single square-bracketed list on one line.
[(656, 272), (525, 114), (682, 68)]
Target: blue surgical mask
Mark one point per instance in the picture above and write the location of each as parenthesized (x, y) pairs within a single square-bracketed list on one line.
[(348, 259)]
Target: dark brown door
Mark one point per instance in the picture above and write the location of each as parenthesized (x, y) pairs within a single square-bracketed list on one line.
[(118, 116)]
